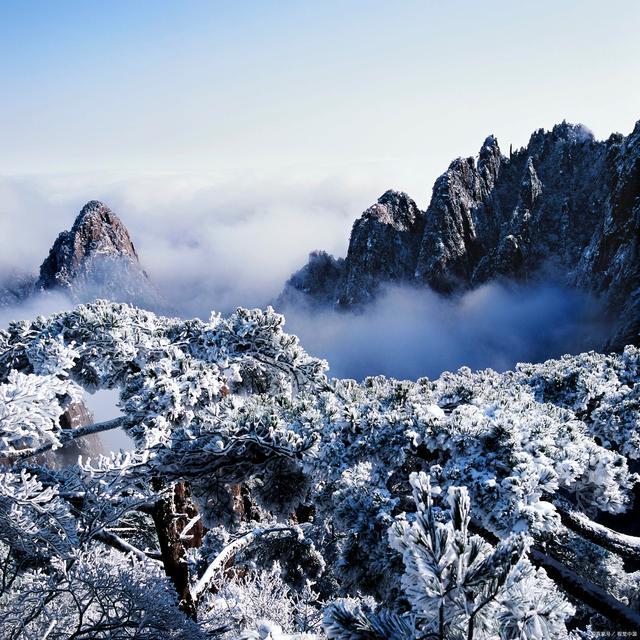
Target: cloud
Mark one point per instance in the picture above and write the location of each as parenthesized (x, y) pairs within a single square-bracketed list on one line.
[(30, 220), (206, 242), (409, 333), (214, 243)]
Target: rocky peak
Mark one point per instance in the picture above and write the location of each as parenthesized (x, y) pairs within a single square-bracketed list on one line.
[(573, 133), (461, 219), (565, 134), (393, 208), (531, 186), (97, 231), (96, 258), (565, 207), (489, 161), (383, 247)]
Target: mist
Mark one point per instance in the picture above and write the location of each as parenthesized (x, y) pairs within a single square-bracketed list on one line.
[(409, 333), (215, 243), (43, 304)]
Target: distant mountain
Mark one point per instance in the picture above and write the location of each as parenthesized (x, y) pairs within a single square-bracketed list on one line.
[(566, 207), (96, 258)]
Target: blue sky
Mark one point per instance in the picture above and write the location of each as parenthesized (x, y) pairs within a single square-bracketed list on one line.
[(233, 138), (398, 87)]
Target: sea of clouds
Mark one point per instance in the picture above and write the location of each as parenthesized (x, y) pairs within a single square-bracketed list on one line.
[(215, 243)]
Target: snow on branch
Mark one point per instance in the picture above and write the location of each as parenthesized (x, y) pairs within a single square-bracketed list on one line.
[(620, 543), (65, 436), (232, 549)]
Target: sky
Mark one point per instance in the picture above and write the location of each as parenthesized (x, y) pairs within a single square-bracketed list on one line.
[(387, 90), (233, 138)]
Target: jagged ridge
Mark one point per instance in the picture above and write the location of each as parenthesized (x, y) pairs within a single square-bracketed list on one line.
[(565, 207)]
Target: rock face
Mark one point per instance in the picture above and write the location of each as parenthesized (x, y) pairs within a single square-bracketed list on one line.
[(384, 247), (565, 207), (96, 259)]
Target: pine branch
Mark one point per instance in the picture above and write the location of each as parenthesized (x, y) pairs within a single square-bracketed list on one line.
[(624, 545), (591, 594), (230, 551), (65, 436)]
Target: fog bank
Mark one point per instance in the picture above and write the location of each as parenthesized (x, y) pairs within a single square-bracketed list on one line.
[(408, 333)]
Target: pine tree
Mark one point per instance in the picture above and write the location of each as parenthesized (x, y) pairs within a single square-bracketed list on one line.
[(457, 584)]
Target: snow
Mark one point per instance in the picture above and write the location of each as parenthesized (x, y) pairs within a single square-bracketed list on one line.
[(304, 484)]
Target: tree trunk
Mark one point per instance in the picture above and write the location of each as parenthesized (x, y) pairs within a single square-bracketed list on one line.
[(187, 510), (168, 527)]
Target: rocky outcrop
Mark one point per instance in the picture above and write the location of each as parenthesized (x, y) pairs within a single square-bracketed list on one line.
[(383, 248), (97, 259), (565, 207), (316, 283)]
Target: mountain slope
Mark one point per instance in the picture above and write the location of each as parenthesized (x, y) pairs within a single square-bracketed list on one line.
[(565, 207), (95, 259)]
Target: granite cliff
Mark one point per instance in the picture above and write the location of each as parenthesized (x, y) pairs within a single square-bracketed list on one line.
[(96, 258), (565, 208)]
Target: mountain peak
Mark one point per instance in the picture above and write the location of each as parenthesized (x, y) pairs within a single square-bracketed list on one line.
[(490, 145), (573, 132), (565, 132), (95, 210), (97, 231), (96, 258), (395, 208)]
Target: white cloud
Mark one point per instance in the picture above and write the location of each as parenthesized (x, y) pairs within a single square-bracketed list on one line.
[(227, 241)]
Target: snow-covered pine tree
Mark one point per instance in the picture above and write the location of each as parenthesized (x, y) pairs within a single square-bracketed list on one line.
[(248, 462), (457, 584)]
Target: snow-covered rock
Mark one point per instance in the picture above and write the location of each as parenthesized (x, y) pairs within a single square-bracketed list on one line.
[(96, 258), (565, 207)]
